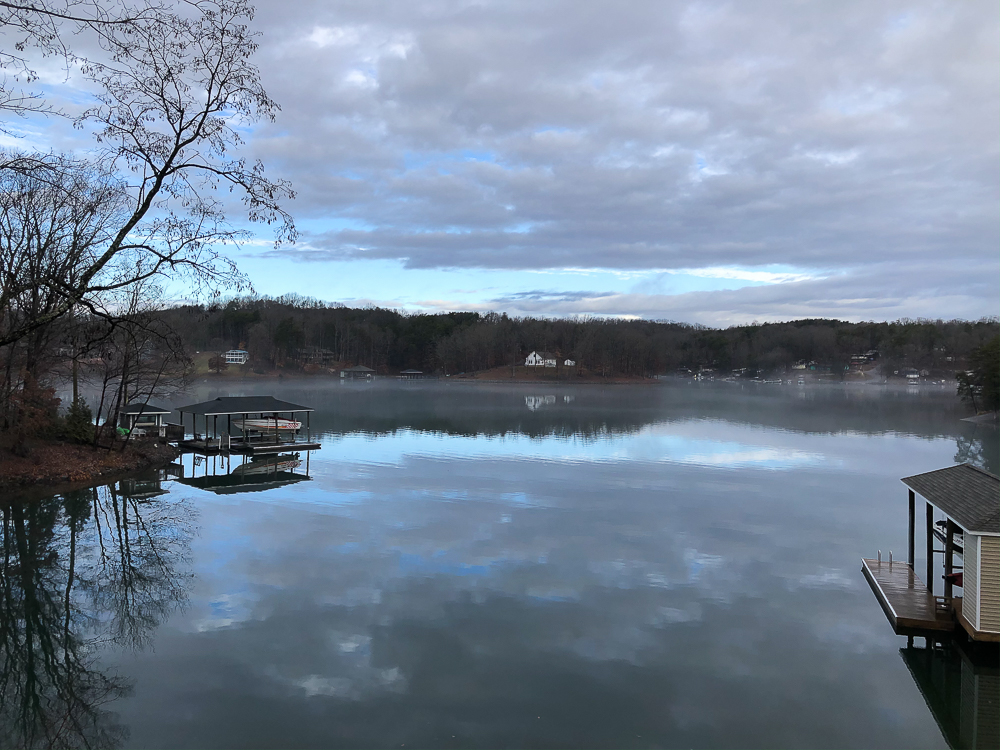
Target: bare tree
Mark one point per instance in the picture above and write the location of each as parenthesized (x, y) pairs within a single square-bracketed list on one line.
[(172, 86), (141, 356), (49, 27), (54, 220)]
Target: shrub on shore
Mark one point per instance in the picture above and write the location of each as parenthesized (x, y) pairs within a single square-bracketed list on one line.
[(78, 426)]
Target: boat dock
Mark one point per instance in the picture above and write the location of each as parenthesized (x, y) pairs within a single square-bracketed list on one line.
[(256, 436), (908, 604)]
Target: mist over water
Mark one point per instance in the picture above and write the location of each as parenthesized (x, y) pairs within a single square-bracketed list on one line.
[(533, 566)]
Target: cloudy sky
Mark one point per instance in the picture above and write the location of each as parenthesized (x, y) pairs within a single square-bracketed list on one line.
[(704, 162)]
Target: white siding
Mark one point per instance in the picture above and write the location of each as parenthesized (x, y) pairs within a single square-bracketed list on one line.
[(989, 584), (970, 579)]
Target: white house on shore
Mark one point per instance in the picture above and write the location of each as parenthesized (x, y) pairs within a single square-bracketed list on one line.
[(540, 359), (237, 357)]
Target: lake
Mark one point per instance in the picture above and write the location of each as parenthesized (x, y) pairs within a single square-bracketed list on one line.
[(470, 565)]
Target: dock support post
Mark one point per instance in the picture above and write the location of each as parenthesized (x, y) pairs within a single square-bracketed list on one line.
[(949, 549), (909, 547), (930, 548)]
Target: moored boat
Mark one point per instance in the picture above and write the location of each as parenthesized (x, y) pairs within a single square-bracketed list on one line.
[(267, 424)]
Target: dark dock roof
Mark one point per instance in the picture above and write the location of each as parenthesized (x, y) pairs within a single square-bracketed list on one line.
[(229, 484), (144, 409), (966, 493), (242, 405)]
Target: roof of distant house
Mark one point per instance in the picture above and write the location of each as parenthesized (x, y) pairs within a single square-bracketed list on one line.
[(970, 495), (243, 405), (358, 368)]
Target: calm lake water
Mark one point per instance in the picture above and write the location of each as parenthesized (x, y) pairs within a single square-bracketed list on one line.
[(674, 565)]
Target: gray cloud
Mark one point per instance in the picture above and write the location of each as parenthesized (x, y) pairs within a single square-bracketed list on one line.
[(859, 139), (883, 291)]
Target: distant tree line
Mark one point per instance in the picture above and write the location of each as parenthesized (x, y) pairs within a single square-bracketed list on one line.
[(290, 330)]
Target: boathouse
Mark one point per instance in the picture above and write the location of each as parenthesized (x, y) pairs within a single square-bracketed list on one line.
[(962, 513), (264, 425), (358, 372), (144, 419)]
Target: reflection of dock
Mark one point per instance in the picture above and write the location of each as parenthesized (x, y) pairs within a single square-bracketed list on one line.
[(256, 475), (961, 686), (906, 601), (261, 447)]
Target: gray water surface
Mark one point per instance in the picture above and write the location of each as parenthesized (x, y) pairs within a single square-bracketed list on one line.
[(488, 566)]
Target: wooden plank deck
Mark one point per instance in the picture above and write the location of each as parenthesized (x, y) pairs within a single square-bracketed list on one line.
[(904, 598)]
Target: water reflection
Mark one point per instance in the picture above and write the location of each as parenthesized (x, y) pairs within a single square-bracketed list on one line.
[(961, 684), (255, 474), (980, 447), (599, 412), (662, 566), (82, 571)]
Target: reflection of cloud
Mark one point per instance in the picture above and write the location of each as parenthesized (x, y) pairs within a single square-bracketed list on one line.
[(652, 443), (767, 458), (471, 577)]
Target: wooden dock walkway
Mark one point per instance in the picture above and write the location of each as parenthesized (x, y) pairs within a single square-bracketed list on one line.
[(906, 601)]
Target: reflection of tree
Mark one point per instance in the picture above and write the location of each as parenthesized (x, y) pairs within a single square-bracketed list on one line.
[(980, 448), (77, 571)]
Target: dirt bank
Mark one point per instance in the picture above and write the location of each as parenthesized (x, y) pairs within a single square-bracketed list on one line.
[(58, 466)]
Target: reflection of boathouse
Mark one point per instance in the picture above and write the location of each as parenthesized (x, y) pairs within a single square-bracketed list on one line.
[(258, 473), (961, 685), (967, 498), (147, 484)]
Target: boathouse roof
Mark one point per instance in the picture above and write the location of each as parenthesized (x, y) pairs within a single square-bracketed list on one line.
[(242, 405), (358, 368), (144, 409), (966, 493)]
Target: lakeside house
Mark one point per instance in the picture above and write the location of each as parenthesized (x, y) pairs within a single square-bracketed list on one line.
[(541, 359), (237, 357)]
